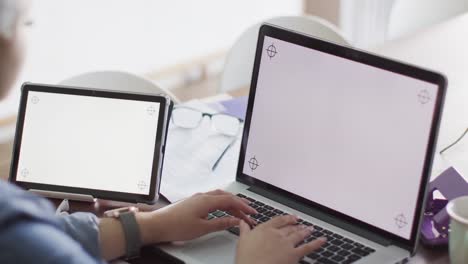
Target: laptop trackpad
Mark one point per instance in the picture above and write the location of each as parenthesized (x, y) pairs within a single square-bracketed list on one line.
[(217, 249)]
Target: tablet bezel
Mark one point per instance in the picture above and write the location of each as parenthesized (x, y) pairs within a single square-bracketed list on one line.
[(371, 60), (101, 194)]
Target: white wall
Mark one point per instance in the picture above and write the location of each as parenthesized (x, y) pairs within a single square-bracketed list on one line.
[(365, 22), (139, 36), (74, 36)]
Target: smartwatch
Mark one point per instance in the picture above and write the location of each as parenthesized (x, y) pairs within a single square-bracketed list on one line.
[(127, 218)]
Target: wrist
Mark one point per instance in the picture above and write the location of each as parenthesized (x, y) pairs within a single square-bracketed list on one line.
[(151, 228)]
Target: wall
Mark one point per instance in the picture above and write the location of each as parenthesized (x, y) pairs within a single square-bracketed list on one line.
[(140, 36)]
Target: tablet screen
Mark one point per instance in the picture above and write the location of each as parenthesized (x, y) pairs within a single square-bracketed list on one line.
[(88, 142)]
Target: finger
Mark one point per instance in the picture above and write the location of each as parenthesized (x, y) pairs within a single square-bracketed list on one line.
[(250, 220), (310, 247), (228, 202), (243, 216), (222, 192), (246, 201), (217, 192), (281, 221), (288, 230), (243, 227), (219, 224), (299, 236)]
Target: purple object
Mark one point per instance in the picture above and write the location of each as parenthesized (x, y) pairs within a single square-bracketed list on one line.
[(236, 107), (451, 185)]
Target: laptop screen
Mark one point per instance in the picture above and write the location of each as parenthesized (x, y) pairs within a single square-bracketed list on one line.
[(88, 142), (342, 134)]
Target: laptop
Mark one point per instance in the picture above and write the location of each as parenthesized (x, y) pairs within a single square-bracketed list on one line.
[(341, 138)]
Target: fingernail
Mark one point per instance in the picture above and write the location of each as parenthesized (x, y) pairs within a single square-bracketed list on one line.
[(311, 228), (323, 239)]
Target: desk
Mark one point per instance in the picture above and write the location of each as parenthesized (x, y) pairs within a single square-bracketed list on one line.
[(423, 255)]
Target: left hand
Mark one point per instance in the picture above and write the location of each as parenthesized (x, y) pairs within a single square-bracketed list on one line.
[(275, 242), (186, 219)]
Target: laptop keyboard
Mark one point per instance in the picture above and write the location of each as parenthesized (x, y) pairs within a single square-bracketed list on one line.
[(337, 249)]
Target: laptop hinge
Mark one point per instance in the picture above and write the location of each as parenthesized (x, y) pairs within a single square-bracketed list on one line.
[(320, 215)]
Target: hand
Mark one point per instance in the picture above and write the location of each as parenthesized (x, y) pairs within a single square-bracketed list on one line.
[(186, 219), (275, 242)]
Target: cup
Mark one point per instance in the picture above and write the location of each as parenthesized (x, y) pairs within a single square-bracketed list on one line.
[(458, 238)]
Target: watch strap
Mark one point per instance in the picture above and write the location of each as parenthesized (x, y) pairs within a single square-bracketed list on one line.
[(132, 234)]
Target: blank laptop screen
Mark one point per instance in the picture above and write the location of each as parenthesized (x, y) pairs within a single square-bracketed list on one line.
[(342, 134), (88, 142)]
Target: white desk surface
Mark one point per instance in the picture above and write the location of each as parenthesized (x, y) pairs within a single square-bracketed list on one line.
[(444, 48)]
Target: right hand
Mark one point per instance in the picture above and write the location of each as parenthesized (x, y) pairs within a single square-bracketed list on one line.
[(275, 242), (186, 219)]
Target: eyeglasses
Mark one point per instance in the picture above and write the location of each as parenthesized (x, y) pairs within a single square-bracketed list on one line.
[(189, 118)]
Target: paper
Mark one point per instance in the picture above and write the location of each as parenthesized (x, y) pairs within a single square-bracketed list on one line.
[(439, 165), (236, 107), (190, 154)]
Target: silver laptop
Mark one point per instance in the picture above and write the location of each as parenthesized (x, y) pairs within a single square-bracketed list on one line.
[(343, 139)]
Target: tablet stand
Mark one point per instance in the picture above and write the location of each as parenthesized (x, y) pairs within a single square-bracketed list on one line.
[(63, 195), (91, 199)]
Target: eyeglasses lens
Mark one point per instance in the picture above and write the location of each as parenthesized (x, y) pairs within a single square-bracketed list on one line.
[(186, 117)]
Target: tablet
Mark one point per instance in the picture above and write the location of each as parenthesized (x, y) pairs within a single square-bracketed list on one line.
[(104, 144)]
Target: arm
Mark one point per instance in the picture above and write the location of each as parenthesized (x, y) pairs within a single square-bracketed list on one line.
[(30, 232), (274, 241), (184, 220), (32, 241), (112, 238)]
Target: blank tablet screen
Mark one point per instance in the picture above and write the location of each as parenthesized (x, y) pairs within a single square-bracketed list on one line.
[(88, 142)]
